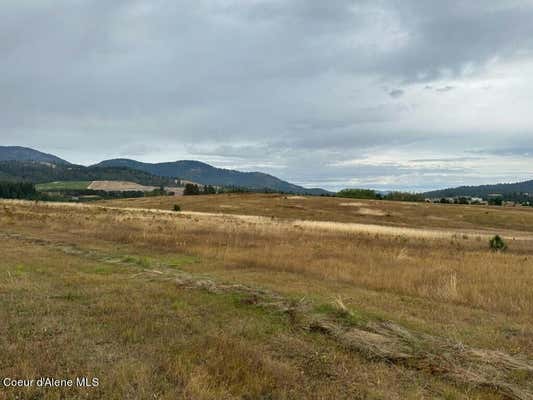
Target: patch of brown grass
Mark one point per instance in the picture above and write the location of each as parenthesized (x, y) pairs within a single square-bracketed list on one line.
[(420, 276), (316, 208)]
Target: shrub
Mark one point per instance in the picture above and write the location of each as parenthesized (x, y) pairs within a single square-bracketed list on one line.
[(497, 244), (191, 189), (177, 207)]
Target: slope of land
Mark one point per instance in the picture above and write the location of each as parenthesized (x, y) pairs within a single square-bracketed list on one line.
[(21, 163), (17, 153), (484, 190), (120, 186), (39, 172), (390, 213), (175, 305), (63, 185), (208, 175)]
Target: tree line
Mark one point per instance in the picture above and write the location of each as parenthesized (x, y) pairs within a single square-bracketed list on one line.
[(27, 191), (373, 195), (193, 190), (18, 190)]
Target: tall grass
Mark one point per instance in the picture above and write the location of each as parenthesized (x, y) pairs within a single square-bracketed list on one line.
[(459, 271)]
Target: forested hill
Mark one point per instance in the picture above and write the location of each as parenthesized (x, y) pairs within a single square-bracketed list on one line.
[(17, 153), (21, 163), (40, 172), (484, 190), (206, 174)]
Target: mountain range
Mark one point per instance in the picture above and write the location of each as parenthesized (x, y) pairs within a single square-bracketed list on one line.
[(21, 163), (206, 174), (25, 164)]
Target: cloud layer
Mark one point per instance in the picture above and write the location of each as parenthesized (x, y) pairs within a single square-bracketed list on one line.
[(387, 94)]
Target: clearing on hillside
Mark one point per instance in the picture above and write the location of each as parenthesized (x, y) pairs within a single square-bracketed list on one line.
[(120, 186), (62, 185)]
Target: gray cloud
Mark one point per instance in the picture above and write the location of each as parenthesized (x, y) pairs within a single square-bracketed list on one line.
[(444, 89), (284, 86), (396, 93), (446, 160)]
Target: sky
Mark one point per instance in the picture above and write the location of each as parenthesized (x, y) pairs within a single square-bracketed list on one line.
[(384, 94)]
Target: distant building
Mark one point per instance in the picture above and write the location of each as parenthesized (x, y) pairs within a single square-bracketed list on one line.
[(477, 200), (457, 200)]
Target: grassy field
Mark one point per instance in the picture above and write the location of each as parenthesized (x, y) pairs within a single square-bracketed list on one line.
[(391, 213), (63, 185), (165, 305)]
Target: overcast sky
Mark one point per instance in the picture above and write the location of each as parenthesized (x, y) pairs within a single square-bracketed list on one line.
[(387, 94)]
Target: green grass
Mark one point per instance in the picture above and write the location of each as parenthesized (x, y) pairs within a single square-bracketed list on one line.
[(63, 185)]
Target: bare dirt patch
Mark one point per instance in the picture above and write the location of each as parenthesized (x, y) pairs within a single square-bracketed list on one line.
[(371, 211), (120, 186)]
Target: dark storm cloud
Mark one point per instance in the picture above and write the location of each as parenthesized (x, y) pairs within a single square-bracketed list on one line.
[(273, 82)]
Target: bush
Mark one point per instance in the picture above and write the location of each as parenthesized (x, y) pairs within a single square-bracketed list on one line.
[(177, 207), (497, 244), (191, 190)]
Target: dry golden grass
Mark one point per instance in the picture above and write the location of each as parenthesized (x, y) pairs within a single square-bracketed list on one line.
[(435, 279), (420, 215)]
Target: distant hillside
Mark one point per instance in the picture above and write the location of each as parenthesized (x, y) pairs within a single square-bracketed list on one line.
[(42, 172), (484, 190), (208, 175), (21, 163), (16, 153)]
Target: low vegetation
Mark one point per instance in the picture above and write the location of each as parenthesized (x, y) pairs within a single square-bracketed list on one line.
[(496, 243), (334, 209), (62, 185), (200, 305), (374, 195)]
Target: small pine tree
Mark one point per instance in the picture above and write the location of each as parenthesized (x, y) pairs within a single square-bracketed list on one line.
[(497, 244)]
